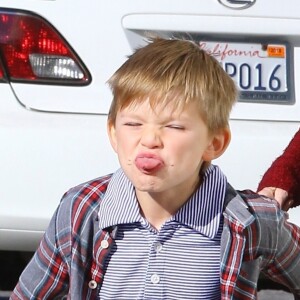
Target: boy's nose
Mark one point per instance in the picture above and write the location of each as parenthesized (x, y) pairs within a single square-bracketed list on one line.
[(151, 138)]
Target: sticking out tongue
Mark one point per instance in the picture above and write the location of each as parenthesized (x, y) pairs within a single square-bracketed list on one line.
[(148, 164)]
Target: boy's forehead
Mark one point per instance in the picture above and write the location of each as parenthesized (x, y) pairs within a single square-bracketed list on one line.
[(151, 104), (165, 109), (159, 102)]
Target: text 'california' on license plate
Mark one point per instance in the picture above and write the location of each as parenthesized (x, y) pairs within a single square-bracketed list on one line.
[(260, 70)]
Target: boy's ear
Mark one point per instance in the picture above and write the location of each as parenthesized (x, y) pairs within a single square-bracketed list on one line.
[(218, 144), (111, 131)]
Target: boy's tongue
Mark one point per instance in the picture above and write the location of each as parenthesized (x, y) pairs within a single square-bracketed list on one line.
[(148, 164)]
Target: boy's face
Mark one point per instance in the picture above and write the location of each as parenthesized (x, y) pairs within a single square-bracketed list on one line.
[(162, 150)]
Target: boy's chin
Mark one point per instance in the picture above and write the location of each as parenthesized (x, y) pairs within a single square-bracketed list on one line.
[(148, 184)]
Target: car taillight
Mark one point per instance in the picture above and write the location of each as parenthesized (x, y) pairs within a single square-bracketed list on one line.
[(1, 73), (34, 51)]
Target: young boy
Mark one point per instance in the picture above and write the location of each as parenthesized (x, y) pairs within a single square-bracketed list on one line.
[(166, 225)]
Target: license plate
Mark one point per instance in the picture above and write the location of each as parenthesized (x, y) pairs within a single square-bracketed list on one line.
[(260, 71)]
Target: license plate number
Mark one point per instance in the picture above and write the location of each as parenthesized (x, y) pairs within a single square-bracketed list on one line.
[(259, 70)]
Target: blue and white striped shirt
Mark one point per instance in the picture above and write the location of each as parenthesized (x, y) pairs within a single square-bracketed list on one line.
[(180, 261), (71, 259)]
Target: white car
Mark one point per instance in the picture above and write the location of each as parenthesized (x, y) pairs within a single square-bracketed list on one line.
[(55, 59)]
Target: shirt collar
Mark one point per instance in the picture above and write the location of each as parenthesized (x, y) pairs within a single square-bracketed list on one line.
[(204, 209), (201, 212), (119, 204)]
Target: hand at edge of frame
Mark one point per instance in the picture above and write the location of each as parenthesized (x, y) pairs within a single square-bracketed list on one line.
[(280, 195)]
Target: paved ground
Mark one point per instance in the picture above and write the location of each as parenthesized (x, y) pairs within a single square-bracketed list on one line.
[(274, 295), (4, 295)]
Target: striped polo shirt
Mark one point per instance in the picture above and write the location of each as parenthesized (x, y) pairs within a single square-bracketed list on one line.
[(180, 261)]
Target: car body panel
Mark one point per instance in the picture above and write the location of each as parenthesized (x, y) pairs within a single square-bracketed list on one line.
[(54, 137)]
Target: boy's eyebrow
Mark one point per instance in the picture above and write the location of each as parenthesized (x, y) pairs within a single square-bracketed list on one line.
[(132, 114), (165, 119)]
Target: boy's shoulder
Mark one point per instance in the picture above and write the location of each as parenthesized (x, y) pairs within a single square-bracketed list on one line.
[(84, 199), (77, 215), (248, 206), (92, 190), (261, 207), (256, 215), (258, 202)]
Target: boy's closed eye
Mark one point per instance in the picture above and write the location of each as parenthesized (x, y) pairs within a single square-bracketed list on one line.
[(132, 124), (175, 126)]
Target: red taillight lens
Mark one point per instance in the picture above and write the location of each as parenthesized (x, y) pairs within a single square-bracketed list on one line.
[(33, 51), (1, 73)]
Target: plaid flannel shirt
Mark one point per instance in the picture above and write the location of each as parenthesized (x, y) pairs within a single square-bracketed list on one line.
[(69, 261)]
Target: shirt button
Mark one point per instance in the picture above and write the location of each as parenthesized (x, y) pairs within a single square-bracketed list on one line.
[(104, 244), (158, 247), (155, 279), (92, 284)]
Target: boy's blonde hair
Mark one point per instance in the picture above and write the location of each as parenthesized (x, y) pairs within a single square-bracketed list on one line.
[(175, 71)]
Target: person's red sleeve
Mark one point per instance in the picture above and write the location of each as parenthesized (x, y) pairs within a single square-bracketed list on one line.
[(284, 172)]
